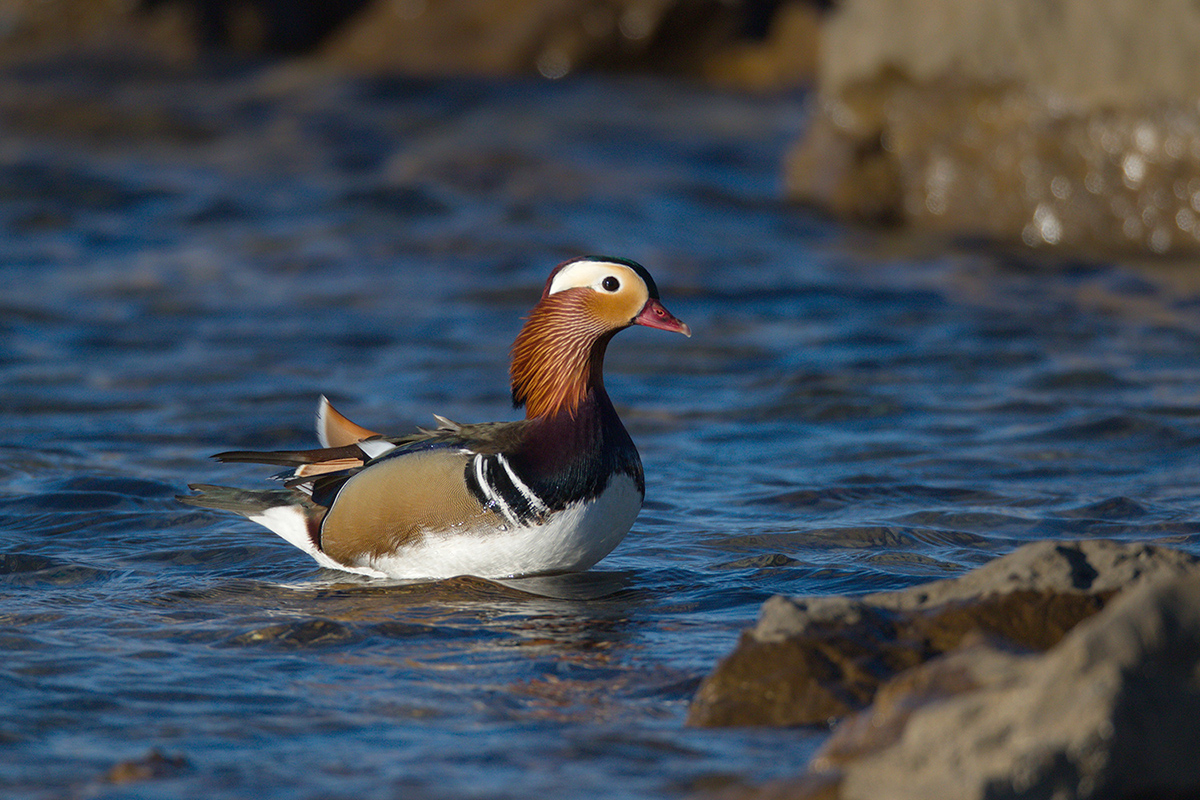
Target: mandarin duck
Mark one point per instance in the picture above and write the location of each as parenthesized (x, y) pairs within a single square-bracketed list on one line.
[(554, 492)]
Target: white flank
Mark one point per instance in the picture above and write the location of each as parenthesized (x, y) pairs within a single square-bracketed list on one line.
[(571, 540), (288, 523)]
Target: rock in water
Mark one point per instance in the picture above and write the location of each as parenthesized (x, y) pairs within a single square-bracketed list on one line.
[(1050, 122), (1110, 710), (812, 660)]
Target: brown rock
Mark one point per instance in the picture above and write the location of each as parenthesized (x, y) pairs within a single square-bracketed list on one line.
[(555, 38), (812, 660), (785, 57), (812, 679), (1091, 54), (1113, 711), (739, 44), (31, 29), (882, 724)]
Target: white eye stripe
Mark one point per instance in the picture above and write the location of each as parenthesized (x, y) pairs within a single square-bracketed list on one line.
[(588, 273)]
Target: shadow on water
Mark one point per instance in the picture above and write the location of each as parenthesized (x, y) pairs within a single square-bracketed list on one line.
[(565, 612)]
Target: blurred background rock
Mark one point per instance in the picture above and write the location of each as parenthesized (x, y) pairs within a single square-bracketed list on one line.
[(1043, 122), (746, 43), (1068, 124)]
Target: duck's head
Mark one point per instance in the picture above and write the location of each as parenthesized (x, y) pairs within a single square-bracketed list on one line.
[(559, 354)]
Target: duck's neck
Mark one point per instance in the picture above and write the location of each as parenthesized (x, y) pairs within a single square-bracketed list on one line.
[(566, 456), (558, 361)]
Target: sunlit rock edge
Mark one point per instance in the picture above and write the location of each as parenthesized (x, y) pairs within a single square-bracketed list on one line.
[(1111, 709)]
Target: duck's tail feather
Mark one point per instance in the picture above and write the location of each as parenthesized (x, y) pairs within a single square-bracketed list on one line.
[(240, 501), (291, 515), (293, 458)]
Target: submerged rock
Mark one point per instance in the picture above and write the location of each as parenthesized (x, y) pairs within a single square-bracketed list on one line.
[(153, 766), (1110, 710), (1048, 122)]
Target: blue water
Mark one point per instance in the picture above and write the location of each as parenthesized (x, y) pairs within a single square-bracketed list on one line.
[(857, 411)]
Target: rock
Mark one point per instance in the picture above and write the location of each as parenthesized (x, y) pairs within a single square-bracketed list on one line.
[(1067, 123), (733, 43), (785, 56), (1112, 711), (1089, 53), (812, 660), (555, 38), (37, 29), (270, 26)]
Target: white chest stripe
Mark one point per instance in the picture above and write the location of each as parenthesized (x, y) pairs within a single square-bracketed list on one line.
[(493, 497), (506, 492), (535, 502)]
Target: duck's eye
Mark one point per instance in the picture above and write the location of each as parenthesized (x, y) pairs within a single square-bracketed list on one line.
[(610, 284)]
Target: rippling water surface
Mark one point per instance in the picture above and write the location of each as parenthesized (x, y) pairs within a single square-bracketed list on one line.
[(188, 266)]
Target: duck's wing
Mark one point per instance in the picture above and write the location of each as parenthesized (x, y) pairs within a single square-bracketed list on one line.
[(454, 478), (311, 463), (319, 472), (345, 445)]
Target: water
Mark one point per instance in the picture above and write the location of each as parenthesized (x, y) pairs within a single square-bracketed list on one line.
[(195, 259)]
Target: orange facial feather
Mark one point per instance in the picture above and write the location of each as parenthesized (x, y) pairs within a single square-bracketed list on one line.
[(559, 354)]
